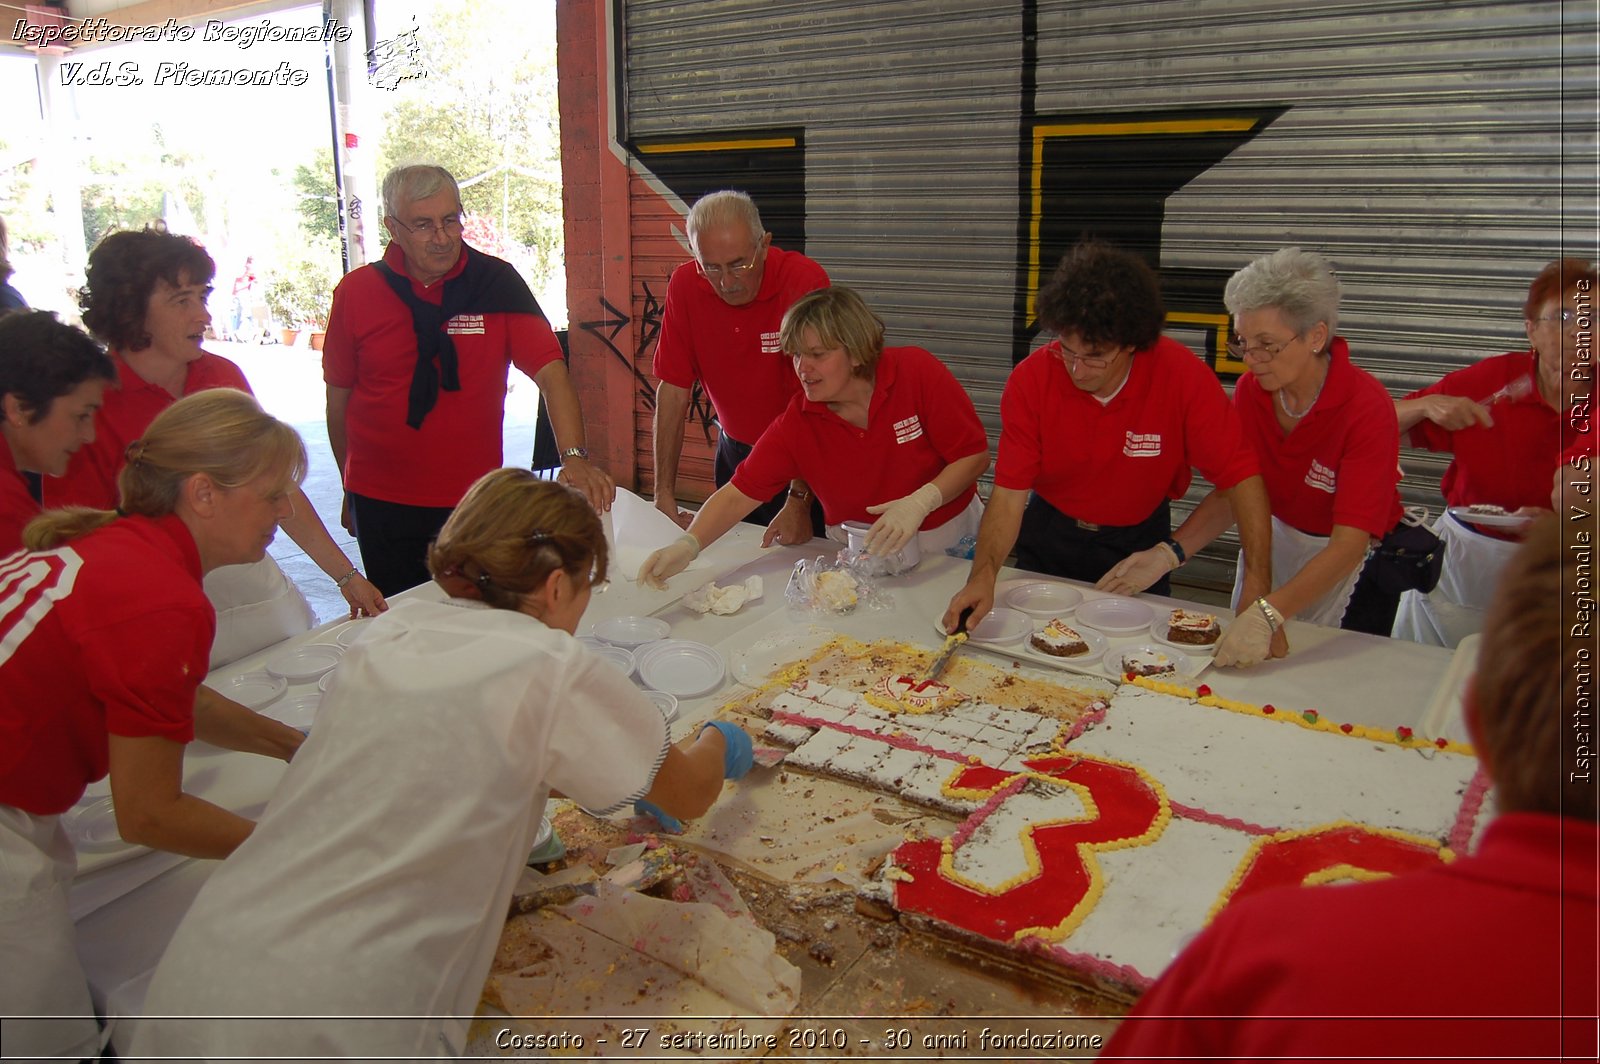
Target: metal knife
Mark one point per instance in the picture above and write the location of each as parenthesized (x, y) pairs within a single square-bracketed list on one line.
[(952, 641)]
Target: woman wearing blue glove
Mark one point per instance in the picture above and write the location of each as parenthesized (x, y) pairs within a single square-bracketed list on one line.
[(377, 881)]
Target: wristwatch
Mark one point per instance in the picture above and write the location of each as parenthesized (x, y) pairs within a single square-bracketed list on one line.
[(575, 452), (1268, 610)]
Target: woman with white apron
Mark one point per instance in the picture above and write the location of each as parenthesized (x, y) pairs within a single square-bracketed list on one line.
[(376, 885), (103, 642), (1319, 427), (145, 298), (885, 436), (1502, 421)]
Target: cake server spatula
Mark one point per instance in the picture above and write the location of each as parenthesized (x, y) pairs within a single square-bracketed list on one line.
[(952, 641)]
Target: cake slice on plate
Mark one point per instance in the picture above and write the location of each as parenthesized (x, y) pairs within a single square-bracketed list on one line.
[(1059, 640)]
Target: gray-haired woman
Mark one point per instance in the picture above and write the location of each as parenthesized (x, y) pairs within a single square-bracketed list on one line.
[(1326, 436)]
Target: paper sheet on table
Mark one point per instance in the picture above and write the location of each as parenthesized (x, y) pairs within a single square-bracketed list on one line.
[(635, 529)]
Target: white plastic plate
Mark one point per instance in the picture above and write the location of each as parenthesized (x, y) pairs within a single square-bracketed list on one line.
[(631, 632), (1163, 635), (1115, 616), (1090, 659), (1000, 627), (620, 657), (324, 683), (681, 667), (298, 711), (1183, 664), (667, 703), (1044, 599), (307, 662), (252, 690), (93, 828), (350, 633), (1465, 513)]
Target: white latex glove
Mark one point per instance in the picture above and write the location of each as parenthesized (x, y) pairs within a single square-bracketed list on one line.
[(901, 519), (1248, 640), (669, 561), (1138, 571)]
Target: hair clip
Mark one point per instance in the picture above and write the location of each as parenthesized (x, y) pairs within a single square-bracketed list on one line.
[(133, 452), (539, 535)]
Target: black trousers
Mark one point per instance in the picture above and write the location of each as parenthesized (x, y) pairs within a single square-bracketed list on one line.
[(1051, 542), (730, 452), (394, 540), (1371, 608)]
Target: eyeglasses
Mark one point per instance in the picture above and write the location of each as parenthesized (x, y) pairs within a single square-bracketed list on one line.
[(427, 228), (1094, 361), (1264, 352), (715, 274), (1566, 316)]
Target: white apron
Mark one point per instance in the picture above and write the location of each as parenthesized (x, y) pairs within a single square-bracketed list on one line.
[(1454, 609), (1291, 549), (39, 970), (257, 606), (377, 881)]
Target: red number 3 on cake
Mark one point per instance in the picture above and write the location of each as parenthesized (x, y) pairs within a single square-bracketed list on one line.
[(1062, 883)]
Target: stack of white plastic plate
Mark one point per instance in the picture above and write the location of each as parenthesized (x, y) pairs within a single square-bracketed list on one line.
[(631, 632), (253, 690), (667, 703), (1044, 599), (620, 657), (307, 662), (681, 667)]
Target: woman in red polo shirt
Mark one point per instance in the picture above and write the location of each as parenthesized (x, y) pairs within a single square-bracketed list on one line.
[(883, 435), (52, 377), (106, 632), (1322, 430), (146, 299), (1502, 420)]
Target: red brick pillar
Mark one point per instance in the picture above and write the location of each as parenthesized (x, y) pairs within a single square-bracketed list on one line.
[(594, 199)]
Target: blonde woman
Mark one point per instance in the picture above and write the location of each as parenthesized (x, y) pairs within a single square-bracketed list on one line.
[(105, 635), (884, 435), (380, 875)]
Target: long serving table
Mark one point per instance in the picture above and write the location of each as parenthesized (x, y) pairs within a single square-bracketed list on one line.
[(127, 904)]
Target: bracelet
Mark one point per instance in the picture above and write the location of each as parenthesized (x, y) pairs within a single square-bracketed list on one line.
[(1270, 612), (1177, 548), (346, 578), (800, 494)]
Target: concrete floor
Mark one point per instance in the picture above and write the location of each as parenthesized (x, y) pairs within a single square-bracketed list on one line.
[(288, 381)]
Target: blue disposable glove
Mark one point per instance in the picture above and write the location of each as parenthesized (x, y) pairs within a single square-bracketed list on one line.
[(738, 752), (668, 822)]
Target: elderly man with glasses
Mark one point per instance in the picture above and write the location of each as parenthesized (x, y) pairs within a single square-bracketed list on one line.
[(417, 359), (1099, 431), (720, 327)]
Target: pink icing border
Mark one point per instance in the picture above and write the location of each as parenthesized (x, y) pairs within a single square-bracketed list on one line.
[(1123, 974), (1203, 816), (904, 742), (1467, 815), (1094, 714), (967, 827)]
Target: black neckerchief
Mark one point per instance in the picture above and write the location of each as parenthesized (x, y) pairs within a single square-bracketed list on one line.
[(485, 285)]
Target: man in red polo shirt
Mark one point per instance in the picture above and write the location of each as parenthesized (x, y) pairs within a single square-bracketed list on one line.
[(720, 327), (417, 357), (1489, 956), (1102, 427)]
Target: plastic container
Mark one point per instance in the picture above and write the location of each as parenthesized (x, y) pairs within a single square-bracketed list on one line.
[(903, 560)]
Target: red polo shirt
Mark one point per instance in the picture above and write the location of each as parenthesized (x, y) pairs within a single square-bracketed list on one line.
[(1341, 464), (1114, 463), (108, 634), (17, 507), (733, 351), (128, 409), (371, 348), (1475, 959), (919, 420), (1510, 464)]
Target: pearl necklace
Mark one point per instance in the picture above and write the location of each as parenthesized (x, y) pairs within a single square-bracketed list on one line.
[(1284, 403)]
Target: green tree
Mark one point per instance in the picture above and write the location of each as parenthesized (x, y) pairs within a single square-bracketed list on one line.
[(318, 204), (486, 111)]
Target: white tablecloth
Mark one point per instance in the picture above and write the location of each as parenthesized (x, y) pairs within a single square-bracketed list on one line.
[(126, 909)]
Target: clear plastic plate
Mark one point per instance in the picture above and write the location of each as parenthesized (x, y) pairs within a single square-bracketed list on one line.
[(631, 632)]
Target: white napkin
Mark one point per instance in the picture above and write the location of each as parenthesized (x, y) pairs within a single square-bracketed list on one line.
[(634, 530)]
